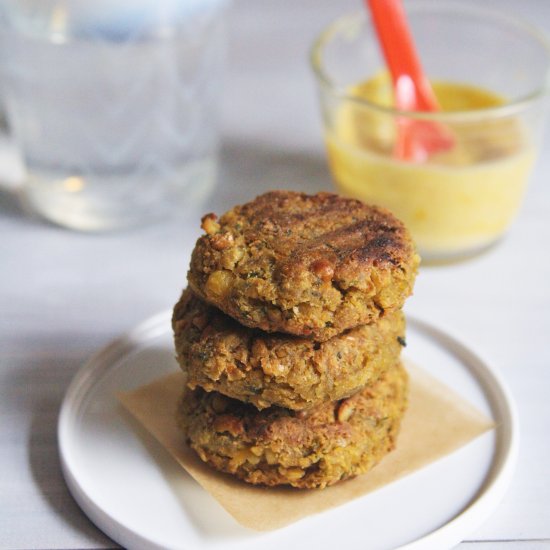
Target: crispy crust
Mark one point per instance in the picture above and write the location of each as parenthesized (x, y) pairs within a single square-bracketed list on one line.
[(309, 265), (265, 369), (306, 449)]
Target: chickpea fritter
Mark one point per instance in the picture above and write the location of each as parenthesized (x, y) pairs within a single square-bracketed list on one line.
[(305, 449), (267, 369), (308, 265)]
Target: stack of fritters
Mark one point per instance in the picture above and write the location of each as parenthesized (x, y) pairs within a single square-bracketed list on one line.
[(290, 334)]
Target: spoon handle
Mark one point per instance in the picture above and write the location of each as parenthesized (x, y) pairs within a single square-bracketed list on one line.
[(416, 139), (413, 91)]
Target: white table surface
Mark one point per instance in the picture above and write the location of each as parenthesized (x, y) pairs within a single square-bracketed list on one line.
[(63, 294)]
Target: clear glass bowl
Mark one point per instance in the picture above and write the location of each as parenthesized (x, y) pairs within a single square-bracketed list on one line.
[(456, 202)]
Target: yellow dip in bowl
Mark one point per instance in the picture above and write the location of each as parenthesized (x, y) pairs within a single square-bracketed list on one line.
[(458, 201)]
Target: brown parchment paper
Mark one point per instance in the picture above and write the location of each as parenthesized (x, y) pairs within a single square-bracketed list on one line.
[(436, 423)]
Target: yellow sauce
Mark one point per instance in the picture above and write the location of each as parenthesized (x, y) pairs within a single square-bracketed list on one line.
[(458, 201)]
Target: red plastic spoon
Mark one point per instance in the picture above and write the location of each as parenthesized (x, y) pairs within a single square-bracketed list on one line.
[(416, 139)]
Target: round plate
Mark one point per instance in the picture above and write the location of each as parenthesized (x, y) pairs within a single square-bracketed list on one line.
[(136, 493)]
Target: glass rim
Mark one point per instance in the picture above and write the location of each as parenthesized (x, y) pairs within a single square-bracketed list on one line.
[(61, 32), (507, 109)]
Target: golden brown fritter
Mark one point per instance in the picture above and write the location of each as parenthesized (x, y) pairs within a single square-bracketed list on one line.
[(267, 369), (309, 265), (305, 449)]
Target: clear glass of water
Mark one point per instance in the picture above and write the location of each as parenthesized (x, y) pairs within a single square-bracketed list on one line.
[(114, 105)]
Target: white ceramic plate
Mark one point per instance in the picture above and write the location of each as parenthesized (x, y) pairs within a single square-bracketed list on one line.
[(136, 493)]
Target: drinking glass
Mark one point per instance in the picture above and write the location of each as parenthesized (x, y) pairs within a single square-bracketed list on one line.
[(113, 105)]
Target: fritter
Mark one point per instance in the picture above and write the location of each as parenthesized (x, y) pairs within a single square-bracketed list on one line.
[(309, 265), (305, 449), (218, 354)]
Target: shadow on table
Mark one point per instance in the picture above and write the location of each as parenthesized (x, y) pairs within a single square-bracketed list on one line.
[(11, 204), (39, 387), (249, 169)]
